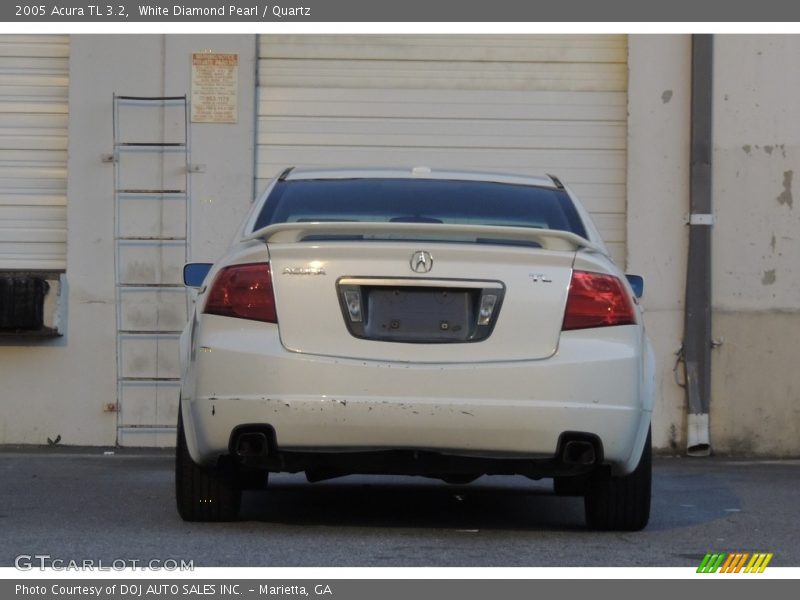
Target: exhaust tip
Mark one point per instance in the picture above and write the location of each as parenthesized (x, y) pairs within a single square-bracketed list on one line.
[(578, 452), (251, 444)]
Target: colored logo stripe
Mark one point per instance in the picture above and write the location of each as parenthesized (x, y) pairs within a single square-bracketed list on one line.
[(734, 563), (758, 563), (710, 563)]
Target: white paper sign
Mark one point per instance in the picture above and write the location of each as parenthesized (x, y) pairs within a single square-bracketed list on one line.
[(215, 87)]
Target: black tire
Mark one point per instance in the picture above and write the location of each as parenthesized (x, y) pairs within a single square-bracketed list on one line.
[(621, 503), (203, 494)]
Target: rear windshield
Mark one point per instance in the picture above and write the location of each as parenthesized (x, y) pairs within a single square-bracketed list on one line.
[(420, 201)]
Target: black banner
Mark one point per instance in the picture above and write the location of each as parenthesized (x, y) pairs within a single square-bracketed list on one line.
[(383, 589), (455, 11)]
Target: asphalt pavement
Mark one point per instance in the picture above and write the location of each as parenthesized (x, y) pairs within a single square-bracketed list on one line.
[(90, 504)]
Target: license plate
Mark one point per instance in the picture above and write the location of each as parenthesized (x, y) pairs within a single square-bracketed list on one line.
[(419, 314)]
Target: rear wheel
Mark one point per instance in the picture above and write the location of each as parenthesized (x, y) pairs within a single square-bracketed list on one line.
[(204, 494), (621, 503)]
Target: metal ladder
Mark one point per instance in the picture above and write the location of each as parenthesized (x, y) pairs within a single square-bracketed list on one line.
[(152, 223)]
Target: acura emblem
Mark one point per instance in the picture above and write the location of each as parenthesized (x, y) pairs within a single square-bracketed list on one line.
[(421, 262)]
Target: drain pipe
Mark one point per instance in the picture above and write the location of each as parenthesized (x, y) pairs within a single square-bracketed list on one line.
[(697, 323)]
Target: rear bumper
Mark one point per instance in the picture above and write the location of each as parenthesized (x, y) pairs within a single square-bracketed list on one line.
[(593, 384)]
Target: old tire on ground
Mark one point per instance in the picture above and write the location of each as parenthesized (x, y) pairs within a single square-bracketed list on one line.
[(203, 494), (621, 503)]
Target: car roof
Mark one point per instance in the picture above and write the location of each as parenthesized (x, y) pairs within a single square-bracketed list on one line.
[(295, 174)]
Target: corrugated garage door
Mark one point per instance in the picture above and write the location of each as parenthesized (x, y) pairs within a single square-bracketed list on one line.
[(525, 104), (34, 82)]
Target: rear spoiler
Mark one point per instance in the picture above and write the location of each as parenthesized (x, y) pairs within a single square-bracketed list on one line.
[(550, 239)]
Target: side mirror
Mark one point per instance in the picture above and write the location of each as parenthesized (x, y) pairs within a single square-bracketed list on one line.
[(637, 284), (195, 273)]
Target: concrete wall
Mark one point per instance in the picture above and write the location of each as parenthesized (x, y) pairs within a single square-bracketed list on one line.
[(659, 93), (755, 404), (60, 387)]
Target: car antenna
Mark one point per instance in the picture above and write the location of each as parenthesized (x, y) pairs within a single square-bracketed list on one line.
[(556, 181)]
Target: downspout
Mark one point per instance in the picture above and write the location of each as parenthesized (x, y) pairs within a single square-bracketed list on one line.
[(697, 324)]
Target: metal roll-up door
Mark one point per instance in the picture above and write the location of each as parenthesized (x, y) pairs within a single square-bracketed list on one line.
[(34, 85), (522, 103)]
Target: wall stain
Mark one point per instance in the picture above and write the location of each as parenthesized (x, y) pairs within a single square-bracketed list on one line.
[(768, 149), (768, 278), (772, 242), (673, 437), (138, 364), (666, 96), (747, 148), (786, 195), (139, 272), (136, 318)]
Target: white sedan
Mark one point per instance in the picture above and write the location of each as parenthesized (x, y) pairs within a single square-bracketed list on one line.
[(416, 322)]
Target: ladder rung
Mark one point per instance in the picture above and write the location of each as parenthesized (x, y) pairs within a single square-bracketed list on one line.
[(149, 378), (151, 427), (151, 98), (146, 191), (151, 144), (149, 332), (150, 285), (149, 238)]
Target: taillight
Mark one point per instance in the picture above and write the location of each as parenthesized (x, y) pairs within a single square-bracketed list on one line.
[(597, 300), (243, 291)]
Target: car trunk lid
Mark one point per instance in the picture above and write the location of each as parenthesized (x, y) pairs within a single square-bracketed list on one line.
[(431, 294)]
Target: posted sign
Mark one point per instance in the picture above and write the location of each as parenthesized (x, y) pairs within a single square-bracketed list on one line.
[(215, 85)]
